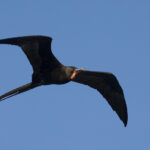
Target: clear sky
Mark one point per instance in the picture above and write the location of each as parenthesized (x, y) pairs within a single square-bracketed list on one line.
[(102, 35)]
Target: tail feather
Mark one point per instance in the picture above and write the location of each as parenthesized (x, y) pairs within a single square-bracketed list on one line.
[(18, 90)]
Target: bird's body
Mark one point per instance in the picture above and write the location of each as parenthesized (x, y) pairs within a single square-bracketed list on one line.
[(48, 70), (54, 76)]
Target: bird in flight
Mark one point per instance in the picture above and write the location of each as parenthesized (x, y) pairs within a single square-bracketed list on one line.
[(48, 70)]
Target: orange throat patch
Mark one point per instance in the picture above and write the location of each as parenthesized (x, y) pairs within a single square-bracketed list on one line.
[(74, 74)]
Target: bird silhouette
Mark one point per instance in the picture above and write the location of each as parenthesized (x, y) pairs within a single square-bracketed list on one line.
[(48, 70)]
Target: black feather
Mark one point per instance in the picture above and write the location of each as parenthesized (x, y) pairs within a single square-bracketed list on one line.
[(109, 87)]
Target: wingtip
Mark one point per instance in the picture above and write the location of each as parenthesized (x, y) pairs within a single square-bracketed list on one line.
[(125, 121), (125, 124)]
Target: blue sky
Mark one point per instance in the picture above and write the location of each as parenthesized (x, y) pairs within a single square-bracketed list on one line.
[(102, 35)]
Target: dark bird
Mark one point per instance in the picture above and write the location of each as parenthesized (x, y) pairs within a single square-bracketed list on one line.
[(48, 70)]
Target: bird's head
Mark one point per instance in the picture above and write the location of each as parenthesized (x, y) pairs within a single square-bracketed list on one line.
[(72, 72)]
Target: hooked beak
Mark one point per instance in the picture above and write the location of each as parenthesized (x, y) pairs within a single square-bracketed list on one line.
[(76, 72)]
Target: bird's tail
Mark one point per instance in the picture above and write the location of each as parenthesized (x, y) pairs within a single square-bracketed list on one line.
[(18, 90)]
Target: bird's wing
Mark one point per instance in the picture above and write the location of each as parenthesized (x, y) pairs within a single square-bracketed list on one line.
[(37, 50), (18, 90), (109, 87)]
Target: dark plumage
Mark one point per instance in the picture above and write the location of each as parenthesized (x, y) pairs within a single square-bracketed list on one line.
[(48, 70)]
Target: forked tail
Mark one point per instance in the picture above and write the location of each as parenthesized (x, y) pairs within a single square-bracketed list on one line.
[(18, 90)]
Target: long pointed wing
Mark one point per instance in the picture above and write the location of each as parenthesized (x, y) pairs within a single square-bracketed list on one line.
[(37, 50), (109, 87), (18, 90)]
